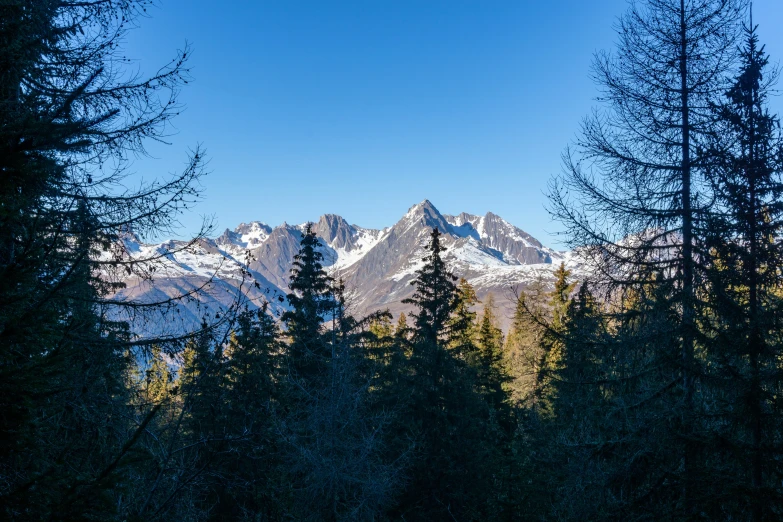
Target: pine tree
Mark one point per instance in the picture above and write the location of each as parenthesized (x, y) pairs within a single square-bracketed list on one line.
[(463, 319), (451, 476), (402, 330), (202, 381), (252, 480), (333, 434), (310, 300), (743, 300), (552, 341), (435, 296), (71, 122), (523, 349), (579, 425), (491, 374), (157, 378)]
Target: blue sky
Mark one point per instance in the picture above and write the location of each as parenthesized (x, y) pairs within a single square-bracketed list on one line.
[(365, 108)]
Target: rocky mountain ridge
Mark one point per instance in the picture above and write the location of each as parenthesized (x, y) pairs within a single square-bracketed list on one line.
[(253, 261)]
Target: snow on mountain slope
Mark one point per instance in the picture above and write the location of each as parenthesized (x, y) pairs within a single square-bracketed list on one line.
[(344, 258), (376, 265)]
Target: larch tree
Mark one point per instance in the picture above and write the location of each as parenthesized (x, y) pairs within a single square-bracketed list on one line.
[(635, 191)]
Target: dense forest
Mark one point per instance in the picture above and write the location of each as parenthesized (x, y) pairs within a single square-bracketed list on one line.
[(651, 390)]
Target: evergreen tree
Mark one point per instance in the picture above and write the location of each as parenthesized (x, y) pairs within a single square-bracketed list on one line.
[(310, 300), (157, 378), (70, 124), (744, 306), (436, 295), (451, 476), (333, 431), (491, 373), (552, 341), (249, 465), (523, 349), (402, 330), (382, 328), (462, 323), (580, 423)]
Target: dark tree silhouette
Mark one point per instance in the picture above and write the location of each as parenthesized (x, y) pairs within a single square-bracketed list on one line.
[(635, 188)]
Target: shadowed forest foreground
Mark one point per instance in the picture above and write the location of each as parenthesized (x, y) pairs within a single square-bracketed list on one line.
[(650, 390)]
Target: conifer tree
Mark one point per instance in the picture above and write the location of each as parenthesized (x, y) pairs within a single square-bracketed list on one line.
[(402, 330), (463, 321), (552, 341), (71, 123), (744, 306), (635, 190), (491, 373), (451, 476), (382, 328), (435, 296), (202, 380), (157, 378), (333, 433), (249, 463), (310, 300), (523, 349)]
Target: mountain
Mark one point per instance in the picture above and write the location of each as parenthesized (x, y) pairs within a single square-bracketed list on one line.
[(254, 261)]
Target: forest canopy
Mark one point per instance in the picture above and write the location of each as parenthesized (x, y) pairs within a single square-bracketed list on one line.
[(647, 388)]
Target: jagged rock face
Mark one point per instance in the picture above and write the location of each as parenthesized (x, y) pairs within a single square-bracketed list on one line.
[(335, 231), (274, 256), (247, 235), (515, 245), (378, 265), (401, 242)]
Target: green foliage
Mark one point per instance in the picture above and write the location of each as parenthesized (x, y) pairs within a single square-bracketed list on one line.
[(650, 393), (310, 301), (451, 475), (462, 324), (740, 322), (523, 349), (491, 373)]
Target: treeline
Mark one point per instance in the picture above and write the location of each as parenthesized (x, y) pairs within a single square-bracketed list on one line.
[(334, 418), (649, 390)]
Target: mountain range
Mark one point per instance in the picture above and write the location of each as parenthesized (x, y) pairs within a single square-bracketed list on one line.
[(377, 266)]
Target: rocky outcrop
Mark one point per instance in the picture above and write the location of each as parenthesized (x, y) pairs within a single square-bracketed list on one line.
[(378, 265)]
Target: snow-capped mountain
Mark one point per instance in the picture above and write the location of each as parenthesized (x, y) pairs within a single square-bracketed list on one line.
[(377, 266)]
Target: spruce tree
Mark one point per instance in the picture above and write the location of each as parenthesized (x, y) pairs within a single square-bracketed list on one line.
[(402, 330), (491, 374), (523, 349), (72, 120), (744, 306), (463, 321), (250, 462), (451, 474), (551, 360), (333, 434), (310, 300), (435, 296)]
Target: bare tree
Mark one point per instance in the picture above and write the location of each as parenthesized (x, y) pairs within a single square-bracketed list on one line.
[(635, 190)]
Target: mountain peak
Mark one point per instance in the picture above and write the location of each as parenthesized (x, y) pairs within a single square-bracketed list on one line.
[(378, 265), (427, 215), (335, 230)]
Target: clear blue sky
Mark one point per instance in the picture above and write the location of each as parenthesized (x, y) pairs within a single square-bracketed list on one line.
[(365, 108)]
